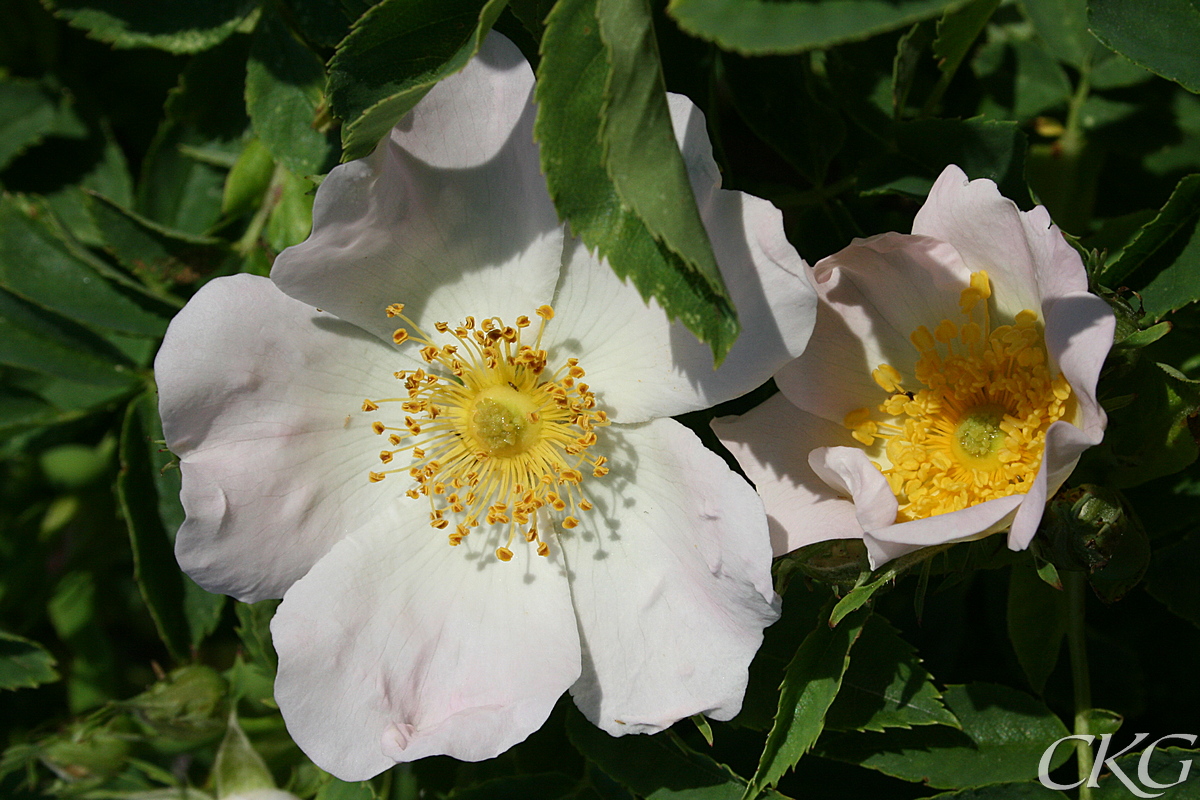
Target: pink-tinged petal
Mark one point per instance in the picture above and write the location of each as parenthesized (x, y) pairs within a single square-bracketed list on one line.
[(670, 575), (261, 400), (874, 294), (644, 366), (974, 522), (1079, 334), (1064, 445), (853, 475), (397, 646), (1023, 252), (449, 216), (771, 443)]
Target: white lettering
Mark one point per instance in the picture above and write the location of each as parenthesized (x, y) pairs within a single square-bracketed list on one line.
[(1048, 756), (1103, 760), (1143, 769)]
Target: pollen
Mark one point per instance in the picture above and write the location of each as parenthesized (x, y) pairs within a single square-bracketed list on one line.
[(488, 434), (969, 423)]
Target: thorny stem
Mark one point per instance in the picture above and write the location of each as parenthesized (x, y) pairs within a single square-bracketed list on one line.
[(1075, 584)]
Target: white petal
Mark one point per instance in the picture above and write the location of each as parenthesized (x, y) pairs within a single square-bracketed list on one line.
[(397, 646), (260, 397), (1064, 445), (1023, 252), (1079, 334), (670, 574), (640, 364), (874, 294), (449, 216), (970, 523), (771, 443), (853, 475)]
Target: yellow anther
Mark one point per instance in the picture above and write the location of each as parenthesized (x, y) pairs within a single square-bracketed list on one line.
[(570, 522), (395, 309), (981, 284), (543, 549), (504, 554), (857, 418), (385, 456), (378, 427), (1027, 318), (545, 312), (375, 477), (946, 331), (922, 339), (888, 377), (400, 336), (368, 405)]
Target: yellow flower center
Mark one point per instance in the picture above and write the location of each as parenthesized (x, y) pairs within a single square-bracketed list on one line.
[(976, 429), (489, 434)]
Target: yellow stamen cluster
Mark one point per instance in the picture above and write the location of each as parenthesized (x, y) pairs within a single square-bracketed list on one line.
[(489, 436), (977, 428)]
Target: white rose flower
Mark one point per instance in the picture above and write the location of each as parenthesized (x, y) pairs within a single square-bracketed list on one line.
[(441, 433)]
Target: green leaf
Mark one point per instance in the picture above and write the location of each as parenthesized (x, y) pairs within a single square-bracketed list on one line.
[(285, 84), (343, 790), (983, 148), (177, 26), (957, 31), (36, 339), (291, 217), (1149, 437), (1063, 26), (1037, 622), (1004, 791), (613, 167), (1172, 578), (761, 27), (154, 568), (886, 686), (1163, 260), (30, 113), (1164, 766), (1004, 733), (24, 663), (1101, 721), (810, 685), (254, 628), (1042, 83), (394, 55), (22, 409), (38, 266), (248, 181), (659, 767), (1166, 46), (159, 255), (238, 768)]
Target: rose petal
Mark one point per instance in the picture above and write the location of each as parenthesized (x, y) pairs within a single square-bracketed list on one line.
[(670, 575), (1024, 253), (261, 400), (397, 646), (641, 364), (449, 216), (771, 443), (1079, 334), (957, 526), (879, 291)]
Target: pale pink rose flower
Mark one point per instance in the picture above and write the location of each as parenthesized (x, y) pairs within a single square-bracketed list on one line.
[(894, 426), (643, 591)]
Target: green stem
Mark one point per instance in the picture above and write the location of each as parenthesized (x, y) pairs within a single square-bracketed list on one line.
[(1072, 140), (1075, 584)]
